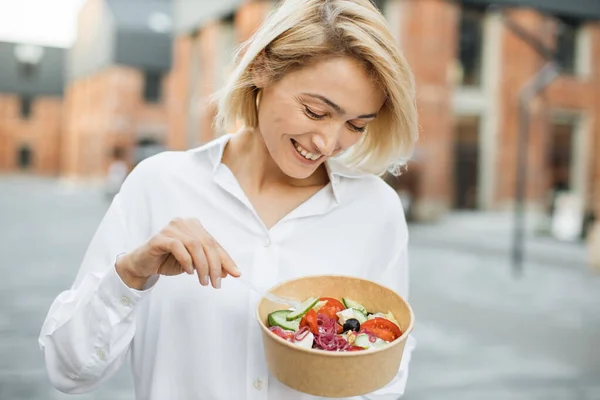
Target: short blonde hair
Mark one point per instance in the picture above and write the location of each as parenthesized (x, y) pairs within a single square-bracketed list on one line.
[(301, 32)]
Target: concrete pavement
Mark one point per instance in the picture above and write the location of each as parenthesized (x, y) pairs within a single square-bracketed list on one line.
[(481, 334), (486, 335)]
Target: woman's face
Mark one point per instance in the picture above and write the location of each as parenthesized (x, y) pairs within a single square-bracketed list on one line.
[(317, 112)]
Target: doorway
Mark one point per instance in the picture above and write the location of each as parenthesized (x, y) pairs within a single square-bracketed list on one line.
[(560, 154), (466, 162), (24, 157), (559, 157)]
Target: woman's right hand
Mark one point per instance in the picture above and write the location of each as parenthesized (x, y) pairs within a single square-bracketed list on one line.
[(182, 246)]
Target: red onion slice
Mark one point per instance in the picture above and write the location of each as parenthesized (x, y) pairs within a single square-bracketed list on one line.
[(301, 334)]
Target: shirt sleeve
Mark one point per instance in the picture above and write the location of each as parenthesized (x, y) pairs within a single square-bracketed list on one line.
[(396, 277), (87, 333)]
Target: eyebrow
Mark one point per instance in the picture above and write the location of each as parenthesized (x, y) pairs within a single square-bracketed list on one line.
[(337, 108)]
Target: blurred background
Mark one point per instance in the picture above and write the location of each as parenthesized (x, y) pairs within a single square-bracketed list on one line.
[(502, 194)]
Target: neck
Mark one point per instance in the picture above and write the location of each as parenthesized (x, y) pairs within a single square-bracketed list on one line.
[(249, 160)]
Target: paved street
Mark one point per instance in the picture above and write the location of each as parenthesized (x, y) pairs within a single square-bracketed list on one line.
[(482, 335)]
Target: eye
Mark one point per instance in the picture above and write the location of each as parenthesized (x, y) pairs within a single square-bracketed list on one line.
[(355, 128), (312, 114)]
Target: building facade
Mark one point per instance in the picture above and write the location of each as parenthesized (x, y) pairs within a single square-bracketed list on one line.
[(206, 37), (31, 90), (117, 90), (471, 68)]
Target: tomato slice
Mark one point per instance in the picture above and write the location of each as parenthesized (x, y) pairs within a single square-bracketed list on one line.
[(333, 303), (339, 328), (382, 328), (328, 311), (283, 334), (310, 320), (383, 334), (331, 308), (354, 348)]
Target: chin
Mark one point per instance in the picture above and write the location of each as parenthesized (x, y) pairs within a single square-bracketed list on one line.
[(297, 171)]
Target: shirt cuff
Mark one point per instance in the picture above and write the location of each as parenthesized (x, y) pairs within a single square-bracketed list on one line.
[(120, 298)]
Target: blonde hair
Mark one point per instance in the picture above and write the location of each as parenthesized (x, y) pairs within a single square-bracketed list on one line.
[(301, 32)]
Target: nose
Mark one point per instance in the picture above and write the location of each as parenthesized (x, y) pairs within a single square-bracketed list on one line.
[(324, 143)]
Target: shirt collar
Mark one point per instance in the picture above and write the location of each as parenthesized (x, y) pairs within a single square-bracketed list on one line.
[(335, 169)]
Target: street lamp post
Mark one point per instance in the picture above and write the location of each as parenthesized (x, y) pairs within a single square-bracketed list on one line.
[(528, 92)]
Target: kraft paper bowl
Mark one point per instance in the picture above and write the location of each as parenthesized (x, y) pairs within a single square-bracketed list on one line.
[(335, 374)]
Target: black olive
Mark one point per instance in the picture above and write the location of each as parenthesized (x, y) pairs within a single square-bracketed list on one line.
[(351, 324), (369, 314)]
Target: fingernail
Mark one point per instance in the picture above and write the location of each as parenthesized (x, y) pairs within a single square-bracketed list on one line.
[(190, 270), (218, 282), (204, 280)]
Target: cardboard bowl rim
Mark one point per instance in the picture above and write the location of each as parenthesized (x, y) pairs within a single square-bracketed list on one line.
[(324, 353)]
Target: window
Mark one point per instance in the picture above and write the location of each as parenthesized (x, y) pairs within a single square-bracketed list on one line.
[(152, 89), (28, 60), (27, 70), (566, 45), (466, 162), (26, 104), (470, 46), (25, 157), (560, 153)]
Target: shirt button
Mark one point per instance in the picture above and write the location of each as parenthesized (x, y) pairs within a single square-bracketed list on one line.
[(267, 241), (102, 354), (125, 301), (258, 384)]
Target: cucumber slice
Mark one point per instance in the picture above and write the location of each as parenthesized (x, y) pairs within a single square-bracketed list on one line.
[(389, 316), (278, 318), (304, 307), (319, 305), (362, 340), (353, 304)]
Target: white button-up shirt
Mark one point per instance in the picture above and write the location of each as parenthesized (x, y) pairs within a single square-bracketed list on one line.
[(190, 342)]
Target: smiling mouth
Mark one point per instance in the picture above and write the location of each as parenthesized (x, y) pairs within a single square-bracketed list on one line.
[(305, 153)]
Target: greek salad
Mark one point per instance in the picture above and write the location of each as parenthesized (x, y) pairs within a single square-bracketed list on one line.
[(329, 324)]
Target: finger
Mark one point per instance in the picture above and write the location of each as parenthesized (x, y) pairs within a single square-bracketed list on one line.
[(228, 264), (224, 274), (194, 247), (178, 250), (211, 249)]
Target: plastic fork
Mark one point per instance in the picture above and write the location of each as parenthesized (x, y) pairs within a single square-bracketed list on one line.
[(270, 296)]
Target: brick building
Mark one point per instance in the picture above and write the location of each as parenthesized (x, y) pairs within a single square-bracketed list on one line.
[(31, 89), (470, 67), (206, 36), (117, 88), (469, 102)]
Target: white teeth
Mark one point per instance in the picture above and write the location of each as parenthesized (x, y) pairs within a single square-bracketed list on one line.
[(305, 153)]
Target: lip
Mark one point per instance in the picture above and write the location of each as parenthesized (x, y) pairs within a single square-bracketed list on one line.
[(302, 158)]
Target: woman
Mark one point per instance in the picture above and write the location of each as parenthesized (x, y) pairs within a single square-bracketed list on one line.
[(320, 79)]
